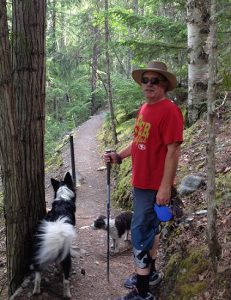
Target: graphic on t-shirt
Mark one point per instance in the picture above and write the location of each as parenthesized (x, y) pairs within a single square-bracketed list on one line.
[(141, 131), (141, 147)]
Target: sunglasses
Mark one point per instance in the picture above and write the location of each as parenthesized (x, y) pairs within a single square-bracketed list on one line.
[(153, 80)]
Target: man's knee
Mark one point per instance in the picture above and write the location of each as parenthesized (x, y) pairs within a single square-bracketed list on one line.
[(142, 258)]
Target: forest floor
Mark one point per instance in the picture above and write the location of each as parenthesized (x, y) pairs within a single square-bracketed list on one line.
[(89, 276)]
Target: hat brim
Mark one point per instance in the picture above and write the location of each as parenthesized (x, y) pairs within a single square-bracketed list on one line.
[(137, 75)]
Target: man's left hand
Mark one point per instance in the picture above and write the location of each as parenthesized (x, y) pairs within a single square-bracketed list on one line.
[(163, 196)]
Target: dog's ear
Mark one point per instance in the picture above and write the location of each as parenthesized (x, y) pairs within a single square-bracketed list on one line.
[(55, 184), (68, 180), (102, 217)]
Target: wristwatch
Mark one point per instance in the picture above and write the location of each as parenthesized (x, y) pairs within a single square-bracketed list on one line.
[(118, 159)]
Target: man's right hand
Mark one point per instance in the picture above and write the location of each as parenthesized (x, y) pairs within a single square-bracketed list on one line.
[(112, 157)]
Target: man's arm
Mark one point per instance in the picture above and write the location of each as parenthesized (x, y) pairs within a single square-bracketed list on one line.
[(126, 151), (118, 157), (170, 167)]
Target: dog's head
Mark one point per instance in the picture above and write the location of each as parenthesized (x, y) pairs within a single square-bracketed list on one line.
[(100, 223), (64, 189)]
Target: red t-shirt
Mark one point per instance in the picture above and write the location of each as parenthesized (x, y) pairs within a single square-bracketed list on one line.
[(157, 125)]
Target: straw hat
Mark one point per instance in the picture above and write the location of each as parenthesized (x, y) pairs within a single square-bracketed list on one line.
[(158, 67)]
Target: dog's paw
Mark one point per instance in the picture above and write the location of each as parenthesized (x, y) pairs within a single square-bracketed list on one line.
[(66, 289), (114, 251), (67, 294), (36, 291), (74, 253)]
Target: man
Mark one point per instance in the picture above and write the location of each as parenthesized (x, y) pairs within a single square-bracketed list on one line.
[(155, 151)]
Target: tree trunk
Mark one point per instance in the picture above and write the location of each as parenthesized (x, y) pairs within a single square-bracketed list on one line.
[(113, 122), (135, 8), (53, 26), (22, 131), (198, 28), (214, 247), (62, 21), (94, 68)]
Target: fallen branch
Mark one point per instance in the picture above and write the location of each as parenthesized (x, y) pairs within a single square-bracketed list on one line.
[(223, 102)]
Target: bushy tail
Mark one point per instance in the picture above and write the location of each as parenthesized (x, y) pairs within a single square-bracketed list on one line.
[(55, 241)]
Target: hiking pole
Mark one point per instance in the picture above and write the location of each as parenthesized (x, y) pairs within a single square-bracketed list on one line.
[(108, 214), (72, 160)]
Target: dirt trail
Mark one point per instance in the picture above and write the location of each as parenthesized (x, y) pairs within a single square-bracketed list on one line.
[(91, 201)]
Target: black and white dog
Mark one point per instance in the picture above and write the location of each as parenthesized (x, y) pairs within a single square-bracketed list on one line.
[(119, 226), (55, 233)]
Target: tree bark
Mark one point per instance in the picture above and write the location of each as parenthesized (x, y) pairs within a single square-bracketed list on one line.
[(62, 21), (53, 26), (198, 29), (22, 89), (113, 122), (214, 247)]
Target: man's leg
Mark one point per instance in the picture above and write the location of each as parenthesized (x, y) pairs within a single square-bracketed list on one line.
[(153, 253), (142, 261), (143, 281), (155, 247), (143, 234)]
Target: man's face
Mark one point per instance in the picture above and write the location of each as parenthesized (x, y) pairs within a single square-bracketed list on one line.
[(153, 86)]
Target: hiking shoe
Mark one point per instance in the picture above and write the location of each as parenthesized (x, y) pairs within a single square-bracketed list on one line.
[(133, 295), (154, 279)]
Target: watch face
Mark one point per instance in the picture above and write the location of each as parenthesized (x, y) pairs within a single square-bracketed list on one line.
[(163, 212)]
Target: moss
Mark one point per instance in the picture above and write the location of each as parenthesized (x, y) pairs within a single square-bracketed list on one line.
[(189, 134), (201, 165), (223, 186), (182, 274), (171, 267), (194, 133), (122, 193), (191, 289)]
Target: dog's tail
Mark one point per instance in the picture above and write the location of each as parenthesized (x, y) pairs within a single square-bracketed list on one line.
[(55, 240)]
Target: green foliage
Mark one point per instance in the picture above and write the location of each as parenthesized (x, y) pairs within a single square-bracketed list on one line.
[(226, 85), (162, 33), (127, 94), (54, 132), (69, 92), (160, 27)]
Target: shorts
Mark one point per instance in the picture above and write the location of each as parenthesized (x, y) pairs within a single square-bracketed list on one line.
[(145, 224)]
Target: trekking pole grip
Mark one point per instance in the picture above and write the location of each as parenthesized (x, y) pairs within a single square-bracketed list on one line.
[(108, 167)]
